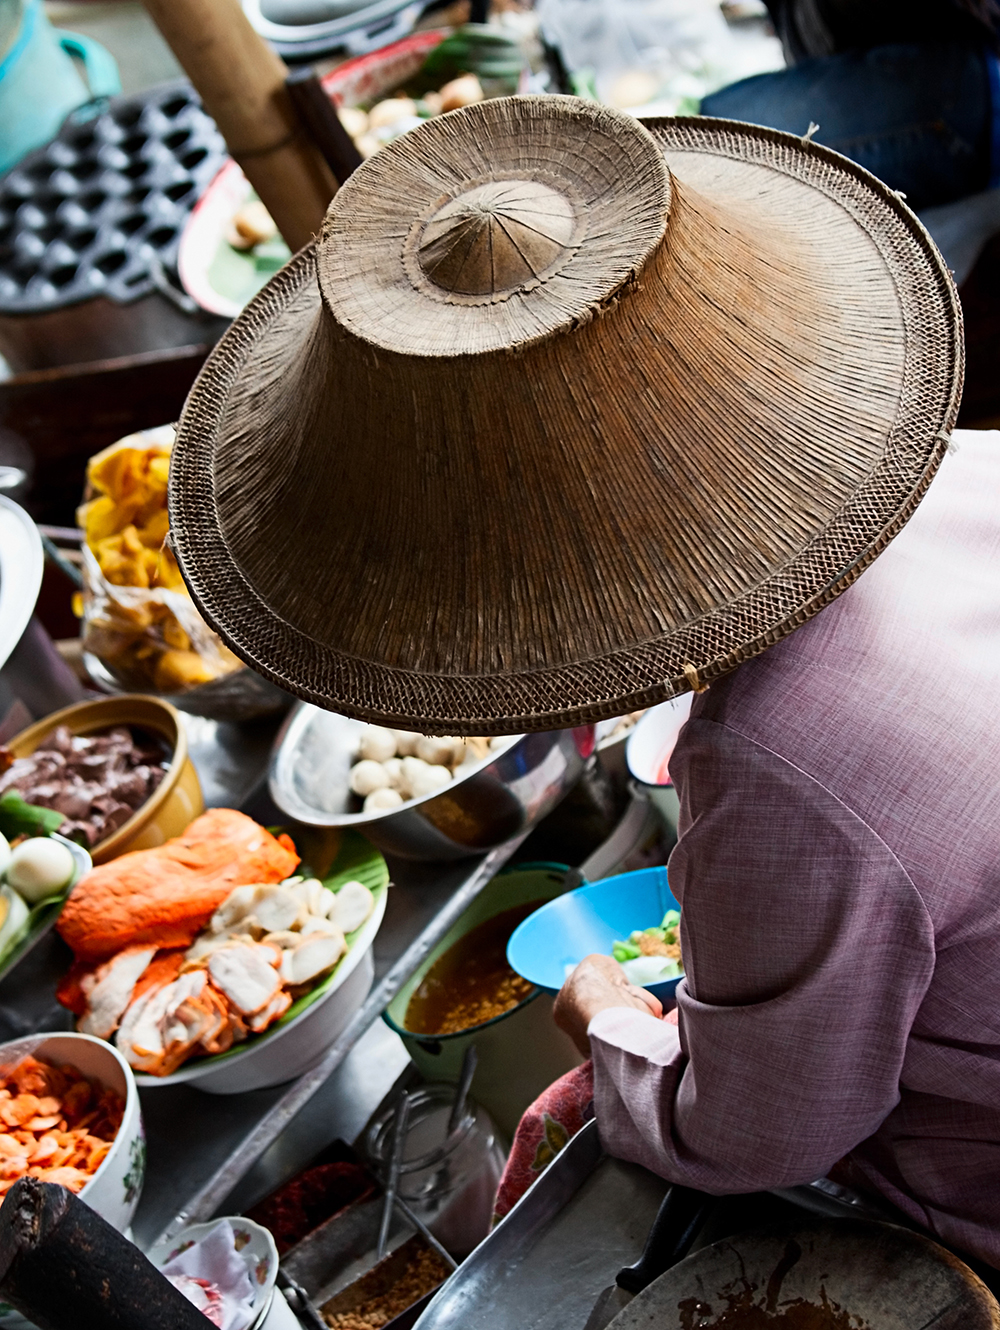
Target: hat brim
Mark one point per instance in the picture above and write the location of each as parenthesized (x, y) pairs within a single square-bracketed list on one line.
[(637, 674)]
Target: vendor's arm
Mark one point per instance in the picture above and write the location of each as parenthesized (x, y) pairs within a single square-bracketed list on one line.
[(807, 951)]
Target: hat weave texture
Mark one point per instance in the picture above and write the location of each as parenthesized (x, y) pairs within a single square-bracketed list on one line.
[(561, 416)]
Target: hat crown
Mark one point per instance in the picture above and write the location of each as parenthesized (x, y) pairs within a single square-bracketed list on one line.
[(498, 237), (512, 222)]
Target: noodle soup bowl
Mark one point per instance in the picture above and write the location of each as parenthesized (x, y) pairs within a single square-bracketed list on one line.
[(555, 939)]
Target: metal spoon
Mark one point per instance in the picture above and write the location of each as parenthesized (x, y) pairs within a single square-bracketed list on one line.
[(462, 1090), (399, 1125)]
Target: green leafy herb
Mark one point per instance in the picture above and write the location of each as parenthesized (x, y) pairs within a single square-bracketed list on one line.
[(475, 49), (666, 932)]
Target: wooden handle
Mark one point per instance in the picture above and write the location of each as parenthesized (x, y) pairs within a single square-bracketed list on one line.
[(241, 82), (319, 115), (65, 1268)]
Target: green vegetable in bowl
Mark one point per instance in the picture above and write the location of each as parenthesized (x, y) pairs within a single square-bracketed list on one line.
[(652, 955), (643, 941)]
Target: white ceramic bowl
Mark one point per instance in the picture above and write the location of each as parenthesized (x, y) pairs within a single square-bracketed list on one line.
[(258, 1252), (115, 1188), (286, 1051), (648, 750)]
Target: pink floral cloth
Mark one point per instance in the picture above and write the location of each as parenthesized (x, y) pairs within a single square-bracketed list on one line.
[(547, 1125), (552, 1120)]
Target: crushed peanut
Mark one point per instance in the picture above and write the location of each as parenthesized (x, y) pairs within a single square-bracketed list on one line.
[(422, 1273)]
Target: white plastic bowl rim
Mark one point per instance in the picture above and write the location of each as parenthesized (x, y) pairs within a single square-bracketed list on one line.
[(259, 1254), (11, 1054), (651, 742)]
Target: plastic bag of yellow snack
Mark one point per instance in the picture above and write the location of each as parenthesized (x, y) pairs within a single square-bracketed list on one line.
[(137, 617)]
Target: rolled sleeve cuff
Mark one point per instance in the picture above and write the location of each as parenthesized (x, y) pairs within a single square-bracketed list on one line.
[(632, 1031)]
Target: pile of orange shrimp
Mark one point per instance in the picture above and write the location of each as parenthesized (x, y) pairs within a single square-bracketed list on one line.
[(54, 1124)]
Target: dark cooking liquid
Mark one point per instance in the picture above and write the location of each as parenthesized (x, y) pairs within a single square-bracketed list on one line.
[(472, 982), (747, 1315)]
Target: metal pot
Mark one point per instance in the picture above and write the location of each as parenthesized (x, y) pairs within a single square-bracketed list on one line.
[(491, 802), (521, 1052)]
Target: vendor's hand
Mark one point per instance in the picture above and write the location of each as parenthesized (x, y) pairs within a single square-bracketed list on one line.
[(597, 982)]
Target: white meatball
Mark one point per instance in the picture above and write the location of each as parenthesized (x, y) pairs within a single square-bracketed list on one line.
[(382, 800), (421, 778), (394, 770), (437, 752), (368, 776), (406, 742), (377, 743), (390, 110)]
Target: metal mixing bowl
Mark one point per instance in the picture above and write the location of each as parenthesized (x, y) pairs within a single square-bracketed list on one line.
[(486, 804)]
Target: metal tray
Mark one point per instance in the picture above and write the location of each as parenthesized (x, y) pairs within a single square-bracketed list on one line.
[(544, 1266)]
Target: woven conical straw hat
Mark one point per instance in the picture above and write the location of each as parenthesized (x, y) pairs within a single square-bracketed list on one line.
[(561, 416)]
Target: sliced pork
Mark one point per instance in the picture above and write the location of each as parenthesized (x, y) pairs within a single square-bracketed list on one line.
[(111, 991), (245, 973)]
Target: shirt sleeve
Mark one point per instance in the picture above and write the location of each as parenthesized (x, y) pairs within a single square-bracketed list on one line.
[(807, 952)]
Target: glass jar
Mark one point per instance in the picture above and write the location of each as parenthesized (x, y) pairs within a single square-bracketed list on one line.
[(449, 1182)]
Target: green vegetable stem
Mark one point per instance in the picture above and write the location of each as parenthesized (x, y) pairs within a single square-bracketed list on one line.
[(18, 818)]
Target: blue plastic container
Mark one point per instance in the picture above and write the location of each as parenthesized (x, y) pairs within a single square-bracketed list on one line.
[(588, 920), (39, 84)]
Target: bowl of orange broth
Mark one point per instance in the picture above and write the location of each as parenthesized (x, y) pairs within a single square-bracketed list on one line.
[(465, 992)]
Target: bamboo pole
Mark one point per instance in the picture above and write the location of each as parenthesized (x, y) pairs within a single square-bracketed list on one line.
[(241, 82)]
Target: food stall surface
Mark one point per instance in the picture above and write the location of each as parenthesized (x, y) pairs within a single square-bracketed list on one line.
[(210, 1153)]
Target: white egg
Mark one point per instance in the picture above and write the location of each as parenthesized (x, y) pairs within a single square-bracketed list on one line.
[(382, 800), (40, 867), (4, 854), (368, 776), (377, 743)]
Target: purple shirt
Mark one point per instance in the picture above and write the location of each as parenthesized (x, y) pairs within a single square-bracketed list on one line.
[(839, 875)]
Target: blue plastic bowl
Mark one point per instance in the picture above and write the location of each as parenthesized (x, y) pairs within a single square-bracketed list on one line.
[(589, 920)]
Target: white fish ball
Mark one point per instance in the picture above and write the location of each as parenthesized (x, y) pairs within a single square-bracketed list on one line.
[(377, 743), (40, 867), (437, 752), (382, 800), (394, 770), (406, 742), (368, 776), (425, 778)]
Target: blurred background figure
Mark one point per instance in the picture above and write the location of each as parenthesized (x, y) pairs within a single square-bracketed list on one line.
[(909, 89)]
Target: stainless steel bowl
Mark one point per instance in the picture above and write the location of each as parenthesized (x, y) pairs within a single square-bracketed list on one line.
[(486, 804)]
